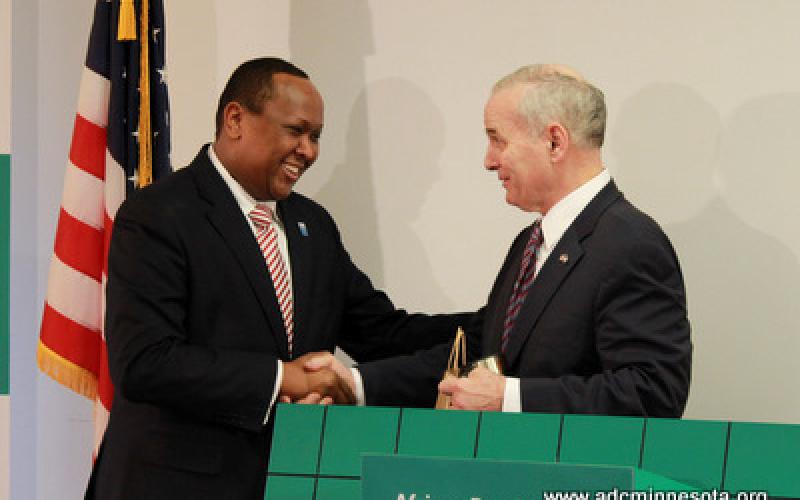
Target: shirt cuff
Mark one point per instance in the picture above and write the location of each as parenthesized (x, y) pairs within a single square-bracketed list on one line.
[(358, 387), (512, 398), (278, 380)]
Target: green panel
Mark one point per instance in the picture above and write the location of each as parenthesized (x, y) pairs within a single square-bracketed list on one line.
[(5, 236), (589, 439), (438, 433), (351, 431), (285, 487), (296, 438), (339, 489), (519, 436), (646, 480), (689, 451), (764, 457)]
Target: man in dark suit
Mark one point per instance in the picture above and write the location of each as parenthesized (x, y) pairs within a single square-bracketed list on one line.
[(221, 282), (588, 311)]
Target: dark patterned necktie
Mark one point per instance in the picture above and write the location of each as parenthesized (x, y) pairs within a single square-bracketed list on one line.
[(523, 283)]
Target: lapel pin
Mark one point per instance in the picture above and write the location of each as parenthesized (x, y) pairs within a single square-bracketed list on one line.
[(303, 229), (563, 258)]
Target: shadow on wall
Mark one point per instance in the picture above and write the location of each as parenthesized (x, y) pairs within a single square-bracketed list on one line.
[(331, 40), (399, 151), (714, 183), (406, 139), (380, 148)]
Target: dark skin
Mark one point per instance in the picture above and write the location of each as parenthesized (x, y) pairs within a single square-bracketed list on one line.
[(302, 385), (266, 152)]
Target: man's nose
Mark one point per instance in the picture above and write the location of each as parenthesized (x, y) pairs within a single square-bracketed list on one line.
[(489, 161), (307, 148)]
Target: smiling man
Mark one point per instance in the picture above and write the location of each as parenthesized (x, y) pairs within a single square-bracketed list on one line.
[(588, 312), (222, 282)]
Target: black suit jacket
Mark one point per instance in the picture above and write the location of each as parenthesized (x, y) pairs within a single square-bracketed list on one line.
[(194, 334), (603, 329)]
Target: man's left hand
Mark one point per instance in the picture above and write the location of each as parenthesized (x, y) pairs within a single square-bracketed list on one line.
[(481, 390)]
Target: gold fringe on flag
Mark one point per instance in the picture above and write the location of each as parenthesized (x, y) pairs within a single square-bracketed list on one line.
[(126, 28), (145, 132), (66, 373)]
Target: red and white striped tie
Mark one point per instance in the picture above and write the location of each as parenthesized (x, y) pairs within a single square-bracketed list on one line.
[(267, 238)]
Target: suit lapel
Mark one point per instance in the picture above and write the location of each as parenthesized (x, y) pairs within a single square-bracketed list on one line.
[(556, 269), (226, 217), (299, 236), (546, 283), (501, 293)]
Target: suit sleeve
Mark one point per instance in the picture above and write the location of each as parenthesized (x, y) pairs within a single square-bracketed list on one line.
[(412, 380), (371, 326), (374, 329), (641, 335), (151, 357)]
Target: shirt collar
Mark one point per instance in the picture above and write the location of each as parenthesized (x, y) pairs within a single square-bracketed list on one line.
[(246, 202), (563, 213)]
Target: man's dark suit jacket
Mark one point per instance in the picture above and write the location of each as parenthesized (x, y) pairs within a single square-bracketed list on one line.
[(194, 334), (603, 329)]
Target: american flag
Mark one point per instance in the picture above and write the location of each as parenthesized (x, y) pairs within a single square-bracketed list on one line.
[(104, 165)]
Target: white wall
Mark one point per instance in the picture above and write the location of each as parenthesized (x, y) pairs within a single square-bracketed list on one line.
[(50, 426), (703, 101), (23, 272), (64, 417), (5, 76)]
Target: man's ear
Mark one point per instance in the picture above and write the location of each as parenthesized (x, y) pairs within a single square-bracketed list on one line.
[(232, 117), (558, 138)]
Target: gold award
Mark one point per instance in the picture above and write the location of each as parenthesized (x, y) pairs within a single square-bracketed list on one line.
[(491, 363), (455, 365)]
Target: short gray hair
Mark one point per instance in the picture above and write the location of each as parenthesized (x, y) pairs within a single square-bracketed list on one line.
[(557, 93)]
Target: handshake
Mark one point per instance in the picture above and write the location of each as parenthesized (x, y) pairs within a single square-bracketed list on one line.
[(320, 378), (317, 378)]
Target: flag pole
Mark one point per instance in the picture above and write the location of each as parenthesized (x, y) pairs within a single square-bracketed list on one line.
[(145, 134)]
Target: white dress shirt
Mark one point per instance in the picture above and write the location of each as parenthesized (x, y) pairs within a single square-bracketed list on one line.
[(247, 203)]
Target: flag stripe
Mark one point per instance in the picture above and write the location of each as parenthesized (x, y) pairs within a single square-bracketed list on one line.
[(100, 420), (71, 340), (93, 97), (83, 196), (109, 224), (105, 389), (75, 295), (79, 246), (88, 148)]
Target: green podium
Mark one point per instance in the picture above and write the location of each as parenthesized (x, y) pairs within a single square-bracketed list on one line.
[(326, 453)]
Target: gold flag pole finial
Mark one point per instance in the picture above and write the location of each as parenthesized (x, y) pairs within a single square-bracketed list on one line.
[(126, 28)]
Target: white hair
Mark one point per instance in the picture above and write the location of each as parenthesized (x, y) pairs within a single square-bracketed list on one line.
[(558, 93)]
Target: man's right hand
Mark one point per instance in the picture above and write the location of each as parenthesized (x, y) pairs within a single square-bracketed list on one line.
[(299, 382)]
